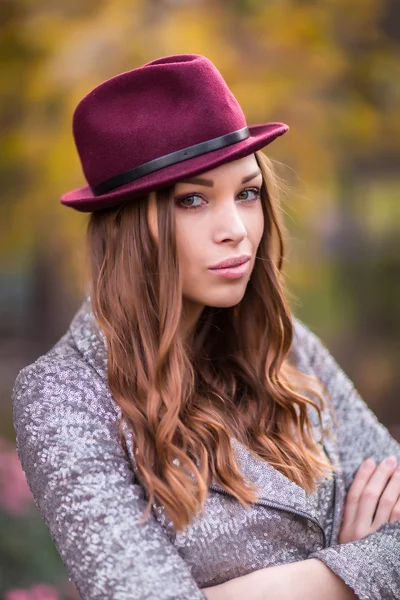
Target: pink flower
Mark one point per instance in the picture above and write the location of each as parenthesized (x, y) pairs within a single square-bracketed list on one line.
[(43, 591), (40, 591), (15, 495), (17, 595)]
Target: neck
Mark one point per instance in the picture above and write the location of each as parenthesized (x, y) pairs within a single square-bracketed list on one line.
[(191, 312)]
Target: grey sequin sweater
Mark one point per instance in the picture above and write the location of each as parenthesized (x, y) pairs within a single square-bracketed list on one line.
[(91, 499)]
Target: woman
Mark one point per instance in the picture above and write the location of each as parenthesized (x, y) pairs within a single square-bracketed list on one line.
[(188, 437)]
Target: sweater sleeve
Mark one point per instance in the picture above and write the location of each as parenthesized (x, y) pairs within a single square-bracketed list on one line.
[(369, 566), (84, 487)]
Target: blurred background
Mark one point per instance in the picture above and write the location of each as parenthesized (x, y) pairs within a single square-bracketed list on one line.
[(330, 70)]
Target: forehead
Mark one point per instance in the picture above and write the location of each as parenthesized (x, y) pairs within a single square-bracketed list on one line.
[(234, 170)]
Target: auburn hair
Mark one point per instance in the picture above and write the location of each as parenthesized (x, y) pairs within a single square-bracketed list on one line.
[(184, 402)]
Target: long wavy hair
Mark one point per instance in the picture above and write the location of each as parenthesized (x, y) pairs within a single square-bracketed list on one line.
[(185, 401)]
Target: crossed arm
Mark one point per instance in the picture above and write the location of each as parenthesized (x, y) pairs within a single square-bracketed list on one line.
[(302, 580), (366, 559), (372, 500)]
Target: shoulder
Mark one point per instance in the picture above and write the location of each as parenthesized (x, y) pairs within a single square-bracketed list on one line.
[(308, 349), (312, 357), (63, 415), (302, 332), (57, 384)]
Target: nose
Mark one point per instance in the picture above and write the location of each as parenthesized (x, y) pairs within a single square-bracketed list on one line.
[(229, 223)]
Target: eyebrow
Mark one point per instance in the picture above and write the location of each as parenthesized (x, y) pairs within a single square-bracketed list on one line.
[(210, 183)]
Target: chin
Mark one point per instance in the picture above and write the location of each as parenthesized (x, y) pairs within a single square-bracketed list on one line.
[(225, 299)]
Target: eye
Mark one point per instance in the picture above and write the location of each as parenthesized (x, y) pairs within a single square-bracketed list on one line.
[(256, 194), (179, 202), (251, 195)]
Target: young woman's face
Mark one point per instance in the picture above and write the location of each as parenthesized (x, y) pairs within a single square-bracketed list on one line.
[(218, 216)]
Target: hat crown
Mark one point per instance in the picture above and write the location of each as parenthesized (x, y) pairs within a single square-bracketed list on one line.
[(161, 107)]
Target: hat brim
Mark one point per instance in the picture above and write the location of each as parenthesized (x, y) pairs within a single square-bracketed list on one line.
[(83, 199)]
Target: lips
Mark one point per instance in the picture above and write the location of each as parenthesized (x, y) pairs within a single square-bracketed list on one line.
[(232, 262)]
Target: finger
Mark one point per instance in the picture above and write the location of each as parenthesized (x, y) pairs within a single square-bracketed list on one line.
[(395, 514), (388, 500), (372, 491), (360, 480)]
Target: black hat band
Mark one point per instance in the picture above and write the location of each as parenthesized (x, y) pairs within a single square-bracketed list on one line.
[(170, 159)]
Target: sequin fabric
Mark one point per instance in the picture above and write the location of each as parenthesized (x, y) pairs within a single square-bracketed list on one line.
[(91, 497)]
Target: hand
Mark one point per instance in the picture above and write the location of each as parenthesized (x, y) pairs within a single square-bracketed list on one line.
[(209, 593), (367, 508), (299, 579)]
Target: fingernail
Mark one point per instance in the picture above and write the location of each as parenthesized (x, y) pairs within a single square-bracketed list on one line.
[(369, 463), (390, 461)]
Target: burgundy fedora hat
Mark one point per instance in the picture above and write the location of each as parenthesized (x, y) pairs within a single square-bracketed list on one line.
[(152, 126)]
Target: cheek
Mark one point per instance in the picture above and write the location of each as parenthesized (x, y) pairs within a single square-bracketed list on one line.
[(260, 225), (254, 223)]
